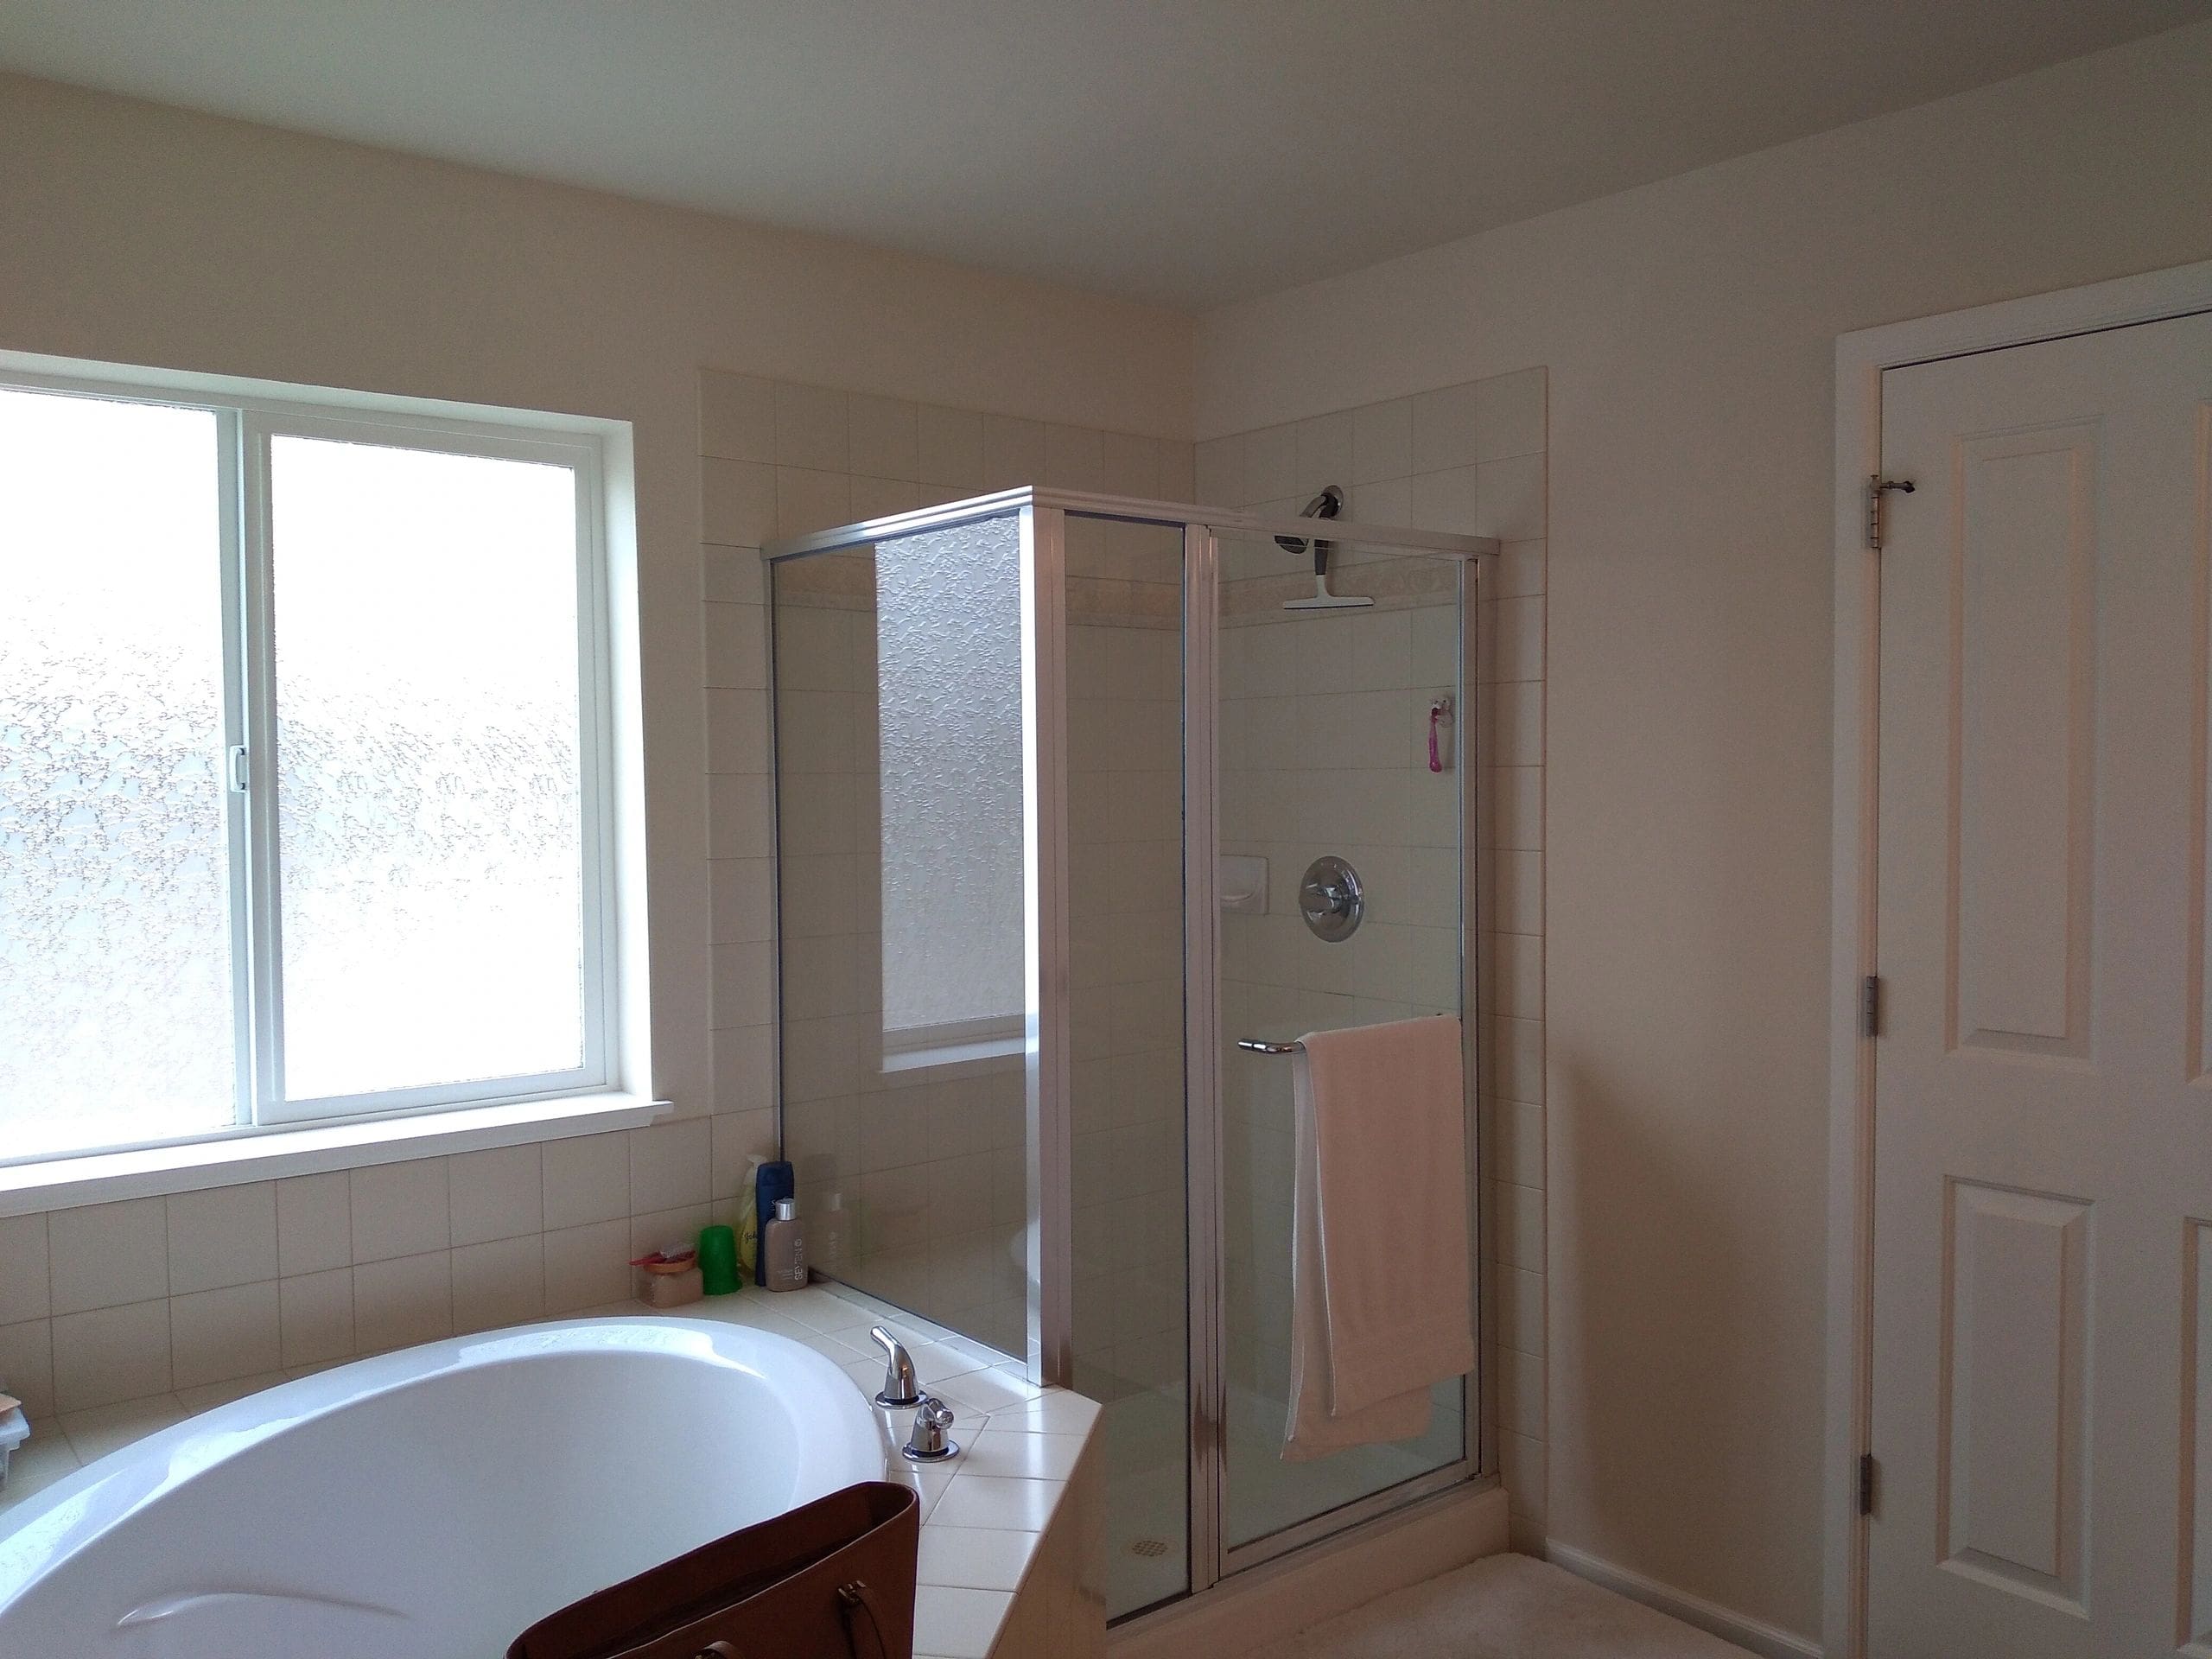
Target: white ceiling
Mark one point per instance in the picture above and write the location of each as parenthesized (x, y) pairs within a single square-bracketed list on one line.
[(1189, 151)]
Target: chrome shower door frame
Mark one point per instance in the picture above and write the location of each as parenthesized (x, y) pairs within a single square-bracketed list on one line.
[(1042, 515)]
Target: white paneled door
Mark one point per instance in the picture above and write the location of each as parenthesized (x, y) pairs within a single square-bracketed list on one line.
[(2042, 1231)]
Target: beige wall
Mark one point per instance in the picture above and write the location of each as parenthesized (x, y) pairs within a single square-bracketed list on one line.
[(1688, 329)]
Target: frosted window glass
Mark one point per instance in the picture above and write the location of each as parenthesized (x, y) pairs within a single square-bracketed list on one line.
[(116, 1008), (949, 670), (429, 781)]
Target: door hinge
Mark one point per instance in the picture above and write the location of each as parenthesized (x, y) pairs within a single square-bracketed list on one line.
[(241, 772), (1877, 487), (1870, 1006), (1867, 1470)]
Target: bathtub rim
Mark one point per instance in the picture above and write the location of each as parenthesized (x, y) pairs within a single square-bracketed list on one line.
[(817, 1391)]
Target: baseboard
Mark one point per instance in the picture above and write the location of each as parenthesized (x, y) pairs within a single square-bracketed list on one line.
[(1767, 1641), (1259, 1609)]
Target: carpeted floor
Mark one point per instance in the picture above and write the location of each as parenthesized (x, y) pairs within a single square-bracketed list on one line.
[(1506, 1607)]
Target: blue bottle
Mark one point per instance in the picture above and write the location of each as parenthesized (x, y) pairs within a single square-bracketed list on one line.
[(772, 1182)]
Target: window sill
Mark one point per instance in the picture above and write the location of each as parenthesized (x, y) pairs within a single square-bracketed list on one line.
[(65, 1183)]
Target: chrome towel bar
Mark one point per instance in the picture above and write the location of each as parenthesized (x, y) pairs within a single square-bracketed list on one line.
[(1255, 1046)]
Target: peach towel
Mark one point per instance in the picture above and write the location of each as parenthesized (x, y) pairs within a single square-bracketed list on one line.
[(1382, 1307)]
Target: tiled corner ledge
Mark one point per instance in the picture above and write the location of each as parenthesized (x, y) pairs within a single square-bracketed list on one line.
[(1008, 1525)]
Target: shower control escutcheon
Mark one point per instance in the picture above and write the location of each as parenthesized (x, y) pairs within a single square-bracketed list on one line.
[(1331, 899)]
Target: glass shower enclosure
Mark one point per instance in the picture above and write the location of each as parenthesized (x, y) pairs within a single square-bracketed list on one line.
[(1085, 808)]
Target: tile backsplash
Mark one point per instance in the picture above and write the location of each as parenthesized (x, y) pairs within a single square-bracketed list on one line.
[(111, 1301)]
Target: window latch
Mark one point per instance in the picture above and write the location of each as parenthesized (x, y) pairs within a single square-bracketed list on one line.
[(240, 772)]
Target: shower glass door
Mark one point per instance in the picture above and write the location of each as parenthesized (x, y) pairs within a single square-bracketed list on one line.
[(1129, 1324), (1326, 720)]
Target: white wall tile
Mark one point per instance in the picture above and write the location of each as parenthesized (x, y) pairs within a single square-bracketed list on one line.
[(496, 1193), (1074, 458), (1516, 891), (1509, 414), (1519, 570), (737, 726), (745, 1068), (1515, 1055), (1520, 1142), (1218, 469), (1177, 472), (1446, 500), (26, 1364), (1512, 495), (733, 576), (1517, 648), (880, 498), (111, 1354), (105, 1255), (738, 817), (1013, 452), (1521, 1467), (224, 1235), (1270, 463), (403, 1300), (587, 1180), (1386, 502), (1444, 428), (315, 1316), (587, 1267), (1323, 447), (670, 1165), (885, 437), (737, 503), (736, 648), (807, 500), (215, 1335), (499, 1282), (739, 1136), (1521, 1224), (951, 447), (400, 1210), (1520, 1309), (1382, 441), (737, 415), (812, 428), (1129, 465), (743, 891), (23, 1293), (744, 985), (1521, 1393), (314, 1226)]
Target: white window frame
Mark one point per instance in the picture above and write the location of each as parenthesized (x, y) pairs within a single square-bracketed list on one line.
[(348, 1130)]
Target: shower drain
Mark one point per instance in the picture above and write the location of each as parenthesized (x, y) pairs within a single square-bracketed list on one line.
[(1150, 1549)]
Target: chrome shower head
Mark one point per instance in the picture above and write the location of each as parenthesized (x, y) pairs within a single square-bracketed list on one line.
[(1328, 505)]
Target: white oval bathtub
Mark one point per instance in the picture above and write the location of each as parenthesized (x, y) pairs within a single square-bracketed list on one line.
[(430, 1503)]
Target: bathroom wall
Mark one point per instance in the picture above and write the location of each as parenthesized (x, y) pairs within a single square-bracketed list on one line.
[(1325, 730), (142, 234), (925, 1168), (1689, 332)]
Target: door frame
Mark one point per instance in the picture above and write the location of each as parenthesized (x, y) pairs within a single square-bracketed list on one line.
[(1860, 359)]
